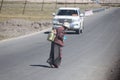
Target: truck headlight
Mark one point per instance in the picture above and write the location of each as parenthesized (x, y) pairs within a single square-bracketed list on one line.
[(55, 21), (75, 24), (75, 20)]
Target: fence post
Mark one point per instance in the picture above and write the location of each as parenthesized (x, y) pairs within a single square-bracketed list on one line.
[(1, 6), (24, 7), (74, 3), (42, 5), (56, 5)]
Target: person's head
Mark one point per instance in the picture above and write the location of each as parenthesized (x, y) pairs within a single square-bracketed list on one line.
[(66, 25)]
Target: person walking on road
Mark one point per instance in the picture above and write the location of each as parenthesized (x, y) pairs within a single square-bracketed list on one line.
[(55, 57)]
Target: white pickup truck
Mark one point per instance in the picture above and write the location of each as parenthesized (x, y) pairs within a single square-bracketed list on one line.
[(71, 15)]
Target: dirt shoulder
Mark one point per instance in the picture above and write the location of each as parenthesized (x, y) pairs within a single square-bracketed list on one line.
[(114, 73), (18, 27)]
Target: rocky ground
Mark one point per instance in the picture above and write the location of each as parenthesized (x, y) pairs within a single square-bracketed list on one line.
[(17, 27)]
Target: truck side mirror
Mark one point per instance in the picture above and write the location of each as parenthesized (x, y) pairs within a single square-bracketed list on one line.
[(53, 14), (81, 15)]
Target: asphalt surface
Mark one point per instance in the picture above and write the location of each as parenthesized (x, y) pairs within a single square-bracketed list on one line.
[(88, 56)]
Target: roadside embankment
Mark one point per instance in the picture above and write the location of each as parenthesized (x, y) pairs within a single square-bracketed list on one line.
[(18, 27)]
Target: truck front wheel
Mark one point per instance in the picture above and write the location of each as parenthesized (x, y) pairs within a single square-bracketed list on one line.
[(78, 31)]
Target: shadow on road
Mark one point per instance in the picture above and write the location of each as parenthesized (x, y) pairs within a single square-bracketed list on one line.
[(66, 32), (47, 32), (45, 66)]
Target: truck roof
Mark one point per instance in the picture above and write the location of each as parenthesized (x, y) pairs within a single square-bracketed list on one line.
[(69, 8)]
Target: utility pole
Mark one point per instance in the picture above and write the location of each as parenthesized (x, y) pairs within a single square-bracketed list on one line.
[(56, 4), (24, 6), (1, 6), (42, 5), (74, 3)]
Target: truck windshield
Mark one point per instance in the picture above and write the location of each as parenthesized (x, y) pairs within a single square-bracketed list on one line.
[(67, 12)]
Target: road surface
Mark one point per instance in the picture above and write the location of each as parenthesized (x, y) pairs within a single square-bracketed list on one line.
[(88, 56)]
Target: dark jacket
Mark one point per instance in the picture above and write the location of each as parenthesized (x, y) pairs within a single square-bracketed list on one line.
[(59, 36)]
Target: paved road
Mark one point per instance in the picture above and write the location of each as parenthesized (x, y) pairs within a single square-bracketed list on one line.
[(88, 56)]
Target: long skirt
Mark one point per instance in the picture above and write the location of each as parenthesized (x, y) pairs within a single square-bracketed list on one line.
[(55, 54)]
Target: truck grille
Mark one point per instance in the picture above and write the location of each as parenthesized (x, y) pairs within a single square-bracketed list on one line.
[(63, 20)]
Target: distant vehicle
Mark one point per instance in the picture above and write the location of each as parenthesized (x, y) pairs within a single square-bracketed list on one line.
[(71, 15)]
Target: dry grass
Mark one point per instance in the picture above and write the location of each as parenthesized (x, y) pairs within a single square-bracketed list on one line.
[(35, 11)]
